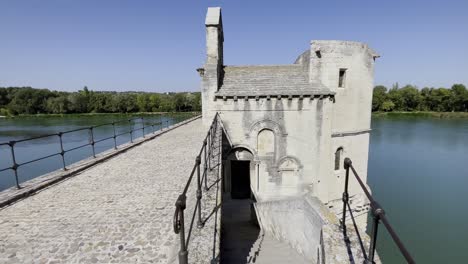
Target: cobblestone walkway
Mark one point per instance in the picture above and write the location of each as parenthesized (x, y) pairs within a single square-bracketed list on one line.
[(117, 212)]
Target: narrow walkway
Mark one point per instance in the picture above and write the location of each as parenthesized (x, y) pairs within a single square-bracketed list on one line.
[(119, 211), (243, 242), (238, 232)]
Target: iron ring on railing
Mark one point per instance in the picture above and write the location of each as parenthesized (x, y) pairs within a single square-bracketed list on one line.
[(180, 207)]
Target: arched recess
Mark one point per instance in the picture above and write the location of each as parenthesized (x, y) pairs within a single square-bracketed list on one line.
[(239, 169), (256, 127), (266, 143), (338, 158), (264, 126), (290, 172)]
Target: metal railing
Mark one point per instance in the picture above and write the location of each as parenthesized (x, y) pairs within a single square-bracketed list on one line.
[(91, 142), (206, 151), (378, 214)]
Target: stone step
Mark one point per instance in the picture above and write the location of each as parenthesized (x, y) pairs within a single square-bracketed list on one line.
[(268, 249)]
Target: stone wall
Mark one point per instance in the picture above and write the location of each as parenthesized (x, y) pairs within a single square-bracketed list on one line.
[(298, 127), (293, 135), (308, 226)]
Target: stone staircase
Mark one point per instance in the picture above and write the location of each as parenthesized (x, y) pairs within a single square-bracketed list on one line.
[(243, 242), (268, 249)]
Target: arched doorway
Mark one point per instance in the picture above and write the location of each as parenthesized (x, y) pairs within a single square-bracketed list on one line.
[(239, 168), (239, 223)]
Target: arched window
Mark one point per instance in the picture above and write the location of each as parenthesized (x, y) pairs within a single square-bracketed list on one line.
[(338, 154), (266, 143)]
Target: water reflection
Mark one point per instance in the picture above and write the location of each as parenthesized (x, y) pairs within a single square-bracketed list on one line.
[(417, 170)]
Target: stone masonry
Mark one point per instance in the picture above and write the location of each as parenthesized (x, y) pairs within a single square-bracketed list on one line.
[(117, 212)]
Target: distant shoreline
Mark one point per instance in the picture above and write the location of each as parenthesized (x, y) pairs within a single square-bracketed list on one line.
[(96, 114), (441, 115)]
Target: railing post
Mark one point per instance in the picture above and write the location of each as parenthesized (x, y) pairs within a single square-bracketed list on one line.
[(220, 150), (205, 168), (199, 192), (131, 130), (15, 165), (115, 136), (91, 134), (345, 198), (62, 152), (161, 121), (211, 137), (143, 124), (377, 211), (179, 227), (209, 149)]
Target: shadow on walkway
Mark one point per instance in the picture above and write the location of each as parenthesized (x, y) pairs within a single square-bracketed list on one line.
[(238, 231)]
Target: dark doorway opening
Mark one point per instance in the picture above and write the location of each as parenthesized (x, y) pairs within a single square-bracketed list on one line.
[(239, 224), (240, 179)]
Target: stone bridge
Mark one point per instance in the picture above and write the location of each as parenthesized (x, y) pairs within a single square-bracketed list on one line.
[(119, 208)]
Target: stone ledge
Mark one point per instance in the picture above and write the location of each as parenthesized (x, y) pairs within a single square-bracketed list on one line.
[(12, 195)]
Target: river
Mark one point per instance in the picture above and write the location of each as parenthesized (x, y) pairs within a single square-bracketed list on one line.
[(27, 127), (418, 171)]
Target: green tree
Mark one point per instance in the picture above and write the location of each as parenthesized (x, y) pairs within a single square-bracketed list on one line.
[(57, 105), (387, 106), (100, 102), (29, 101), (155, 102), (197, 103), (379, 96), (410, 98), (124, 103), (167, 103), (4, 97), (459, 98), (180, 101), (440, 100), (78, 102), (143, 103), (395, 96), (425, 104)]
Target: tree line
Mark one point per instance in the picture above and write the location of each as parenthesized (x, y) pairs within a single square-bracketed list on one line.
[(27, 100), (410, 98)]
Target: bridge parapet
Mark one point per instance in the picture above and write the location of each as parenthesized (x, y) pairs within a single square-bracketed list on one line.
[(119, 211), (201, 201), (149, 131)]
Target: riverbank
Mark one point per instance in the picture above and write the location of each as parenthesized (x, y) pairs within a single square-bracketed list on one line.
[(102, 114), (442, 115)]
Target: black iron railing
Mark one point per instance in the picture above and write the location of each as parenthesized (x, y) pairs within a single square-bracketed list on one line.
[(378, 214), (212, 141), (91, 142)]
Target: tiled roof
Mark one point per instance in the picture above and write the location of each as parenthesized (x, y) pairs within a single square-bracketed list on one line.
[(269, 80)]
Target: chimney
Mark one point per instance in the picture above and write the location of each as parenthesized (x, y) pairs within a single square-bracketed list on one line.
[(214, 36), (212, 71)]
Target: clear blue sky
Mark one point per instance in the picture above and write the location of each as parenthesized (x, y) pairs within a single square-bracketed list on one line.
[(157, 45)]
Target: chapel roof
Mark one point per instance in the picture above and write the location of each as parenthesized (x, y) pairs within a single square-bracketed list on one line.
[(269, 80)]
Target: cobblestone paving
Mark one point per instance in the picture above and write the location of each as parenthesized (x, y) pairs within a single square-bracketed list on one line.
[(117, 212)]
